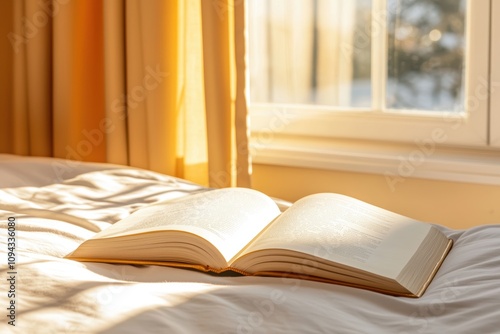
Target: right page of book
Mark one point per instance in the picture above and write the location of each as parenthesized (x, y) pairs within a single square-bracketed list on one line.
[(345, 230)]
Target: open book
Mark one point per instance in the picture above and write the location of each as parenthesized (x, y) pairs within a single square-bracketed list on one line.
[(324, 237)]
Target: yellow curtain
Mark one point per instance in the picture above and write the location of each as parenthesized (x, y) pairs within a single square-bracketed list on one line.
[(156, 84)]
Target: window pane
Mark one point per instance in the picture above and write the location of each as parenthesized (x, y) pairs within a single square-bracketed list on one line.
[(310, 52), (426, 40)]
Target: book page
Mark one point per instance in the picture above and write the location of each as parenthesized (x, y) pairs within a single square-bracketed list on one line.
[(228, 218), (345, 230)]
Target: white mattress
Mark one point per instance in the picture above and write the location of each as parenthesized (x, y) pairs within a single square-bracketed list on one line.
[(57, 206)]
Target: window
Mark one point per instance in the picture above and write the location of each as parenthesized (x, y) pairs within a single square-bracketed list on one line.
[(330, 77)]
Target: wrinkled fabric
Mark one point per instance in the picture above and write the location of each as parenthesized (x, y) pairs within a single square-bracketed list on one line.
[(56, 295)]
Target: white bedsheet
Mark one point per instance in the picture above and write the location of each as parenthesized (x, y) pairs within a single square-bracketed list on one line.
[(54, 295)]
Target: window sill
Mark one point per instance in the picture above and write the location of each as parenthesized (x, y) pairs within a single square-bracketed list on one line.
[(395, 161)]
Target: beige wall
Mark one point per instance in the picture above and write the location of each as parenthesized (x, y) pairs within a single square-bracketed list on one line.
[(458, 205)]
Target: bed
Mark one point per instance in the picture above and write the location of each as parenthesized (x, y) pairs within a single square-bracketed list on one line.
[(56, 204)]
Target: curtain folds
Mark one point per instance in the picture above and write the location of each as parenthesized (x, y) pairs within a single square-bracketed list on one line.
[(301, 51), (153, 84)]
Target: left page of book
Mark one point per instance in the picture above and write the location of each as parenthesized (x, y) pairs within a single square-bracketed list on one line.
[(227, 218)]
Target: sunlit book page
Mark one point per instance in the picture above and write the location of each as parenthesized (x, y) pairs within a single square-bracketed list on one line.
[(228, 218), (347, 231)]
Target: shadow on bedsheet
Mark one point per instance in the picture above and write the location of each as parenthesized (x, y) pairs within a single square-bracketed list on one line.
[(155, 274)]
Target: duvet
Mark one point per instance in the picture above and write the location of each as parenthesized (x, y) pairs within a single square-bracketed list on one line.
[(49, 206)]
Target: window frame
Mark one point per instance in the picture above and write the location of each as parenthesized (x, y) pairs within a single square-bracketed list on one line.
[(374, 140), (494, 89)]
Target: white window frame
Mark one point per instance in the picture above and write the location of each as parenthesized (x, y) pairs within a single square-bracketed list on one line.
[(495, 77), (447, 146)]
